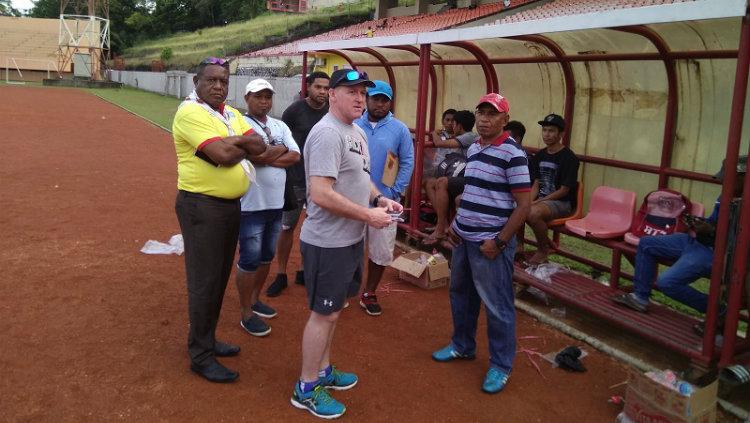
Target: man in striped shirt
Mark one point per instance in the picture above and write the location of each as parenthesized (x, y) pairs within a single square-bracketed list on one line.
[(495, 204)]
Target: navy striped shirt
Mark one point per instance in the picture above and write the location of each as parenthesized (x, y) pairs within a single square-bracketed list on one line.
[(493, 173)]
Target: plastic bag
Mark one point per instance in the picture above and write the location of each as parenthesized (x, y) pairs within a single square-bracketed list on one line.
[(545, 271), (175, 246)]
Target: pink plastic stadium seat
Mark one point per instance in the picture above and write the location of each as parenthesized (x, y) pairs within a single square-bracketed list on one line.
[(696, 209), (610, 214)]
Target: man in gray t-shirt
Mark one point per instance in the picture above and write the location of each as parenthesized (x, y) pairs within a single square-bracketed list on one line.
[(337, 166), (339, 151)]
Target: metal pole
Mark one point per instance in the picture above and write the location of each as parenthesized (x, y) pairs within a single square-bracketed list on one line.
[(416, 184), (303, 90), (730, 172), (670, 121), (739, 265)]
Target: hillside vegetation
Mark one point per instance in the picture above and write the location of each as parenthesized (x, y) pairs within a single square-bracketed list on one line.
[(235, 38)]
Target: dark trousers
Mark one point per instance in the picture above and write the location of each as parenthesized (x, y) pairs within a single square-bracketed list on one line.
[(210, 227)]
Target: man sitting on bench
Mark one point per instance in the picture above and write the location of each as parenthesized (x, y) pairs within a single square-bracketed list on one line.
[(692, 254), (441, 190), (554, 171)]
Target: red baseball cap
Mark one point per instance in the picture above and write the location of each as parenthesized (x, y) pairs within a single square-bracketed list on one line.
[(497, 101)]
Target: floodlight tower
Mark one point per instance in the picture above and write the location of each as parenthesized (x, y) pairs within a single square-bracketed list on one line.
[(84, 37)]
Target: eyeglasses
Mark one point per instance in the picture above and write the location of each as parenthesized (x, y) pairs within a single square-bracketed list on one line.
[(214, 61)]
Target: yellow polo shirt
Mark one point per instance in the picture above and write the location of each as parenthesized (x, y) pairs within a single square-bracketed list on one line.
[(194, 128)]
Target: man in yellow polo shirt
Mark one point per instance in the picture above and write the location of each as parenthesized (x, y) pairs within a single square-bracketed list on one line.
[(212, 141)]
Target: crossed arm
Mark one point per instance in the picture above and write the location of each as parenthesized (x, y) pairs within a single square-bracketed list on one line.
[(231, 150)]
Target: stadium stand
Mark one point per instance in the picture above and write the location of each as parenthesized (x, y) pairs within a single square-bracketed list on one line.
[(396, 25), (31, 44)]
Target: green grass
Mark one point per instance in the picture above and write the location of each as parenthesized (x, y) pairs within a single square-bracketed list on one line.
[(268, 29), (154, 107)]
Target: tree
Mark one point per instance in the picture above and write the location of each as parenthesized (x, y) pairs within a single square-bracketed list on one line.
[(6, 9)]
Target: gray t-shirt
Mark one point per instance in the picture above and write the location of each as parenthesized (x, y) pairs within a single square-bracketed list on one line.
[(336, 150)]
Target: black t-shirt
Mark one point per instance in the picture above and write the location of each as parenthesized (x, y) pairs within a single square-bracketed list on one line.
[(554, 171), (300, 118)]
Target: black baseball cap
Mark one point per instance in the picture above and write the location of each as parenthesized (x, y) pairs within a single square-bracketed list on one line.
[(741, 167), (553, 120), (346, 77)]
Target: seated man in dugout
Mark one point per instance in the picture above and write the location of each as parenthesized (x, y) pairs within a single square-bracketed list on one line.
[(693, 255), (554, 170), (442, 189)]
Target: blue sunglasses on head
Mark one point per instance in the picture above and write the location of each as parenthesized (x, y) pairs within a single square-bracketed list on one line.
[(214, 61), (355, 75)]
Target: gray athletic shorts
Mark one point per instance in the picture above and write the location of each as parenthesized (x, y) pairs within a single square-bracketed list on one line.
[(331, 275), (290, 218), (559, 208)]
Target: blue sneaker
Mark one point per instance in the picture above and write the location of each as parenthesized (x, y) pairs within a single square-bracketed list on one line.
[(449, 354), (495, 381), (338, 380), (318, 402), (255, 326), (263, 310)]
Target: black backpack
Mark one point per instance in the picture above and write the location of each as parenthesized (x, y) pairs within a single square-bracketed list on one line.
[(452, 166)]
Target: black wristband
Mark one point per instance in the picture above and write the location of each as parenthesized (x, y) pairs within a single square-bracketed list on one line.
[(376, 200), (499, 243)]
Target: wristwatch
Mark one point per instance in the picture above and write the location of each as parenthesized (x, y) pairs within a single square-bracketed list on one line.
[(376, 200), (500, 244)]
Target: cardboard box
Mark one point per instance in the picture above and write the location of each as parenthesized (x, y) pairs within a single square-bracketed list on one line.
[(423, 269), (647, 401)]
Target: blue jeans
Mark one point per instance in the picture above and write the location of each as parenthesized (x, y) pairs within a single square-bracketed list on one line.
[(259, 231), (475, 280), (692, 261)]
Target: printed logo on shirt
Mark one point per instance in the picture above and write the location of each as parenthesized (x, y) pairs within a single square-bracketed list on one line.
[(327, 302), (355, 146)]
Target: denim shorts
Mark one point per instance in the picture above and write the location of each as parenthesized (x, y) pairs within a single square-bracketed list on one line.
[(259, 231)]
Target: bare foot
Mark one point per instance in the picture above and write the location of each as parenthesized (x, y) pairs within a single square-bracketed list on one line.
[(538, 258), (433, 239)]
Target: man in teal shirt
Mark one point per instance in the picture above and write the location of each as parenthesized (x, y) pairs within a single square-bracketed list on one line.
[(386, 136)]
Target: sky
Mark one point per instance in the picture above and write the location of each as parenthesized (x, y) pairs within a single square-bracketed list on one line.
[(22, 4)]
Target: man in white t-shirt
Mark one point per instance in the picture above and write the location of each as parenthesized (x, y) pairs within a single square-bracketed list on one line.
[(262, 206)]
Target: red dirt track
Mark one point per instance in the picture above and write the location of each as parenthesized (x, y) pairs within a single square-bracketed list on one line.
[(95, 331)]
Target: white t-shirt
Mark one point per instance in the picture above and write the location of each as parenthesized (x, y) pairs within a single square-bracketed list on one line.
[(267, 192)]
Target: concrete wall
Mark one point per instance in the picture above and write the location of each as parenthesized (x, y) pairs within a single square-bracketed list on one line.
[(180, 84)]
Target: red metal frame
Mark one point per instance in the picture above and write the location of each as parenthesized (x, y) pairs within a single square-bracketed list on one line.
[(490, 76), (570, 82), (739, 265), (433, 82), (671, 112), (303, 90), (427, 75), (416, 188), (384, 63)]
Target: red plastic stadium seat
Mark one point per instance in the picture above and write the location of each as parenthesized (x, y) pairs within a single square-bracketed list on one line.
[(610, 214), (696, 209), (577, 213)]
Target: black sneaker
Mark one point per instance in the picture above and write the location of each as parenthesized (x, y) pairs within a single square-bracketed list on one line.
[(629, 300), (299, 278), (255, 326), (369, 302), (263, 310), (279, 284)]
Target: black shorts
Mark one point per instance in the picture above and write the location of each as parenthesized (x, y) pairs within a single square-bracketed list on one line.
[(456, 186), (331, 275)]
